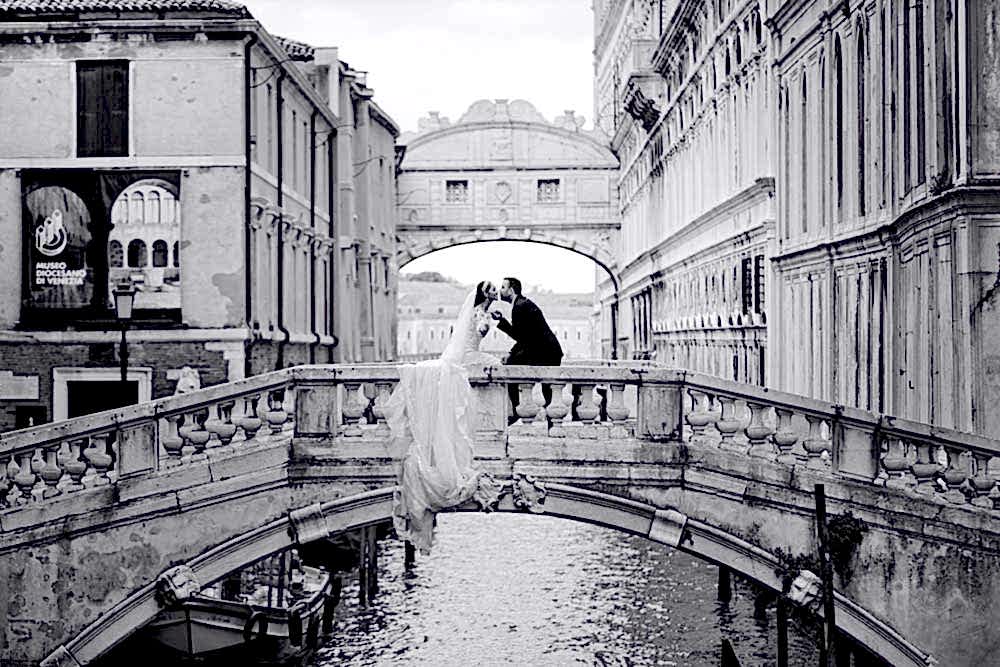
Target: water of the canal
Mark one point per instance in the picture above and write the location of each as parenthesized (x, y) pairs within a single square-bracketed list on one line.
[(534, 590)]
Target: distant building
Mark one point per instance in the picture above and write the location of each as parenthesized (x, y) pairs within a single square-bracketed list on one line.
[(427, 310), (243, 183)]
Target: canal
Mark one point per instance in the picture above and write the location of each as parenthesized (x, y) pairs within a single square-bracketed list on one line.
[(535, 590)]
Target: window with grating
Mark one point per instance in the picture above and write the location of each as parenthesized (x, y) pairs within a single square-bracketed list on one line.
[(456, 192), (548, 190)]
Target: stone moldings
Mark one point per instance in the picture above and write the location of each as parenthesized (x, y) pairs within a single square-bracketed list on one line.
[(505, 153)]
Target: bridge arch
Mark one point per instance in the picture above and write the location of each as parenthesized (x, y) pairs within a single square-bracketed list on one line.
[(344, 514)]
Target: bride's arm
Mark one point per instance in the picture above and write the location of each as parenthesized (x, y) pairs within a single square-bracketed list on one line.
[(482, 322)]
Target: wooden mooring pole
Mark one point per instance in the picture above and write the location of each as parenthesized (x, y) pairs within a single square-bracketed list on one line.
[(725, 584), (828, 649), (782, 632), (363, 568), (409, 555)]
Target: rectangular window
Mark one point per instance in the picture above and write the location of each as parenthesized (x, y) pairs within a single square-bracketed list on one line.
[(456, 192), (747, 284), (548, 190), (758, 283), (102, 108)]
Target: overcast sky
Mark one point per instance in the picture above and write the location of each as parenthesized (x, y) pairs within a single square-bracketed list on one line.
[(443, 55)]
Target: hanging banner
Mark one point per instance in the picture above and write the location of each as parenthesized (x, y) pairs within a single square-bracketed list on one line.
[(86, 230)]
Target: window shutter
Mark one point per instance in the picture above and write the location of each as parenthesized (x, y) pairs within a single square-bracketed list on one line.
[(116, 97), (102, 109), (88, 96)]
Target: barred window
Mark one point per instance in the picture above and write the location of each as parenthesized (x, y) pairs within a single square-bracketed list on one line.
[(456, 192), (548, 190)]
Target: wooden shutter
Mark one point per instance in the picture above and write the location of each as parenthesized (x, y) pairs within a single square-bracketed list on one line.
[(102, 109)]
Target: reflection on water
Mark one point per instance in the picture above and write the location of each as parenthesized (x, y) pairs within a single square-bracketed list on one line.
[(529, 590)]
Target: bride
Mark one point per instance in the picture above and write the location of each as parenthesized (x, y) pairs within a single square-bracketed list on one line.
[(431, 412)]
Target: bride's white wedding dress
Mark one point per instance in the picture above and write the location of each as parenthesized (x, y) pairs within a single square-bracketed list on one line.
[(431, 413)]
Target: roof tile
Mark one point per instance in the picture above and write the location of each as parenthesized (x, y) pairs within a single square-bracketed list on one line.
[(13, 9)]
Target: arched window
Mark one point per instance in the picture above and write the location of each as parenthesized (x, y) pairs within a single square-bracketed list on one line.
[(757, 32), (860, 58), (738, 48), (153, 208), (137, 213), (805, 152), (137, 254), (116, 257), (177, 255), (729, 64), (838, 73), (159, 253)]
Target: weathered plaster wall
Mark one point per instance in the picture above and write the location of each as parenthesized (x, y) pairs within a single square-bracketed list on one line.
[(10, 247), (212, 233)]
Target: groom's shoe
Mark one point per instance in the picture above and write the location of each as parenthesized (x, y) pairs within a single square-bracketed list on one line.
[(511, 419)]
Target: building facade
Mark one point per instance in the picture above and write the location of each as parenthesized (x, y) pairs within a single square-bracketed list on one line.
[(808, 195), (184, 149)]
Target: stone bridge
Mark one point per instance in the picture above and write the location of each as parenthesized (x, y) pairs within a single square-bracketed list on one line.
[(98, 512)]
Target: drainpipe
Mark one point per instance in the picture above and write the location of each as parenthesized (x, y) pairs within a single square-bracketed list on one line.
[(280, 359), (312, 244), (331, 146), (247, 235)]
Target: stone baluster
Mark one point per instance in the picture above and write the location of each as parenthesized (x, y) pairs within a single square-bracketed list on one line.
[(955, 474), (728, 424), (556, 411), (222, 426), (288, 404), (276, 414), (896, 465), (587, 411), (75, 464), (5, 483), (618, 412), (785, 436), (925, 468), (101, 460), (249, 421), (353, 409), (51, 472), (526, 407), (699, 417), (25, 477), (194, 434), (37, 461), (815, 444), (170, 438), (383, 390), (980, 481), (759, 433)]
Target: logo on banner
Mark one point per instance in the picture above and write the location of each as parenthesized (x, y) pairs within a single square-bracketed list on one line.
[(50, 236)]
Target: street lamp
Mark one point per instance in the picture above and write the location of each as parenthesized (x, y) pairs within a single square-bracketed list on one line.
[(124, 294)]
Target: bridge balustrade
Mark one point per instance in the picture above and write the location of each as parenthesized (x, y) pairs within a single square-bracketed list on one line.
[(608, 402)]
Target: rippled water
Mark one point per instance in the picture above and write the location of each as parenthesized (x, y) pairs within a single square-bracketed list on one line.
[(530, 590)]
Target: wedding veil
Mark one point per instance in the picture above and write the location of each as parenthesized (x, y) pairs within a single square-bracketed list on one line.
[(430, 413)]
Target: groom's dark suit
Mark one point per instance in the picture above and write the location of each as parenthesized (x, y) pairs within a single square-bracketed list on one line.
[(534, 342)]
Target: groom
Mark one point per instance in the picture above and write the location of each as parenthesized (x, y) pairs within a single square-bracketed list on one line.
[(534, 342)]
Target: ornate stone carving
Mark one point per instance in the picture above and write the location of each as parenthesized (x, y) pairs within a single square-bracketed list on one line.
[(805, 589), (176, 585), (61, 657), (667, 527), (504, 191), (529, 493), (308, 524), (188, 380), (488, 492), (641, 108)]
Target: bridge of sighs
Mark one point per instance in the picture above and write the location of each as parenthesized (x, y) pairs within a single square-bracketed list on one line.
[(100, 514)]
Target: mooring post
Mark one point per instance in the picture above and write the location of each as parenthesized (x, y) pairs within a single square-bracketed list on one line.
[(782, 632), (725, 584), (729, 658), (363, 568), (372, 562), (409, 555), (828, 648)]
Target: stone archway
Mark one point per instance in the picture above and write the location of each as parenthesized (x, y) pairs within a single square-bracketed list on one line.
[(503, 172), (666, 526)]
